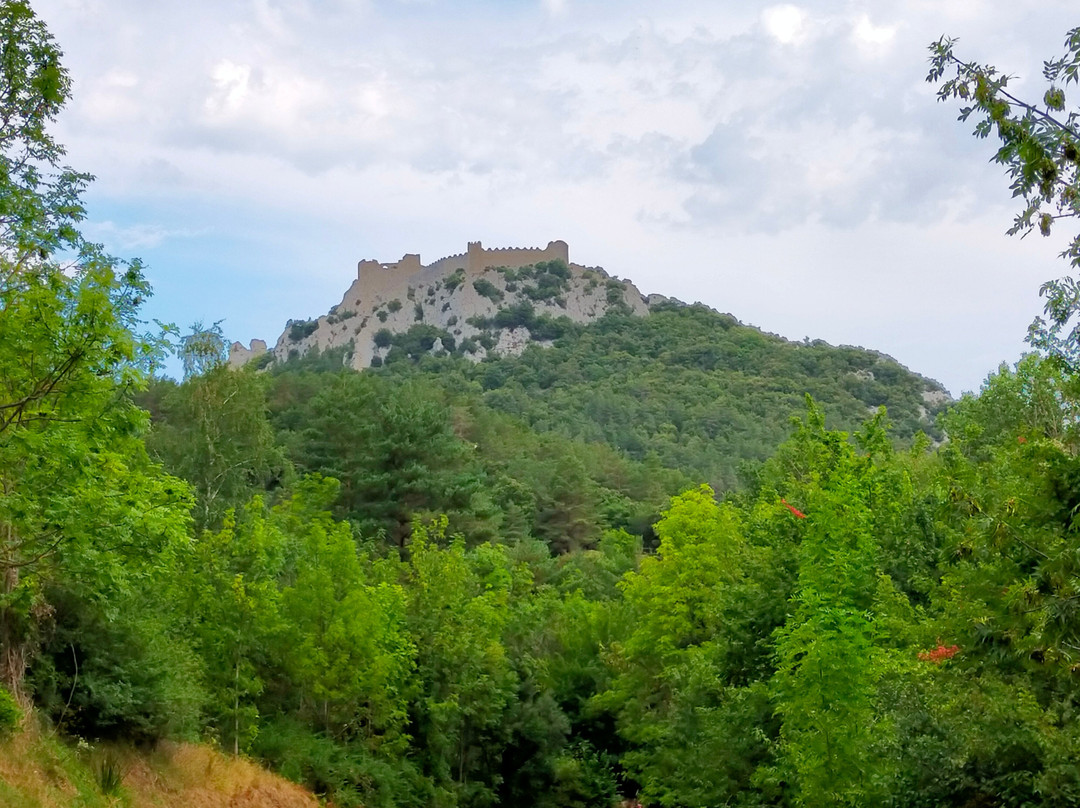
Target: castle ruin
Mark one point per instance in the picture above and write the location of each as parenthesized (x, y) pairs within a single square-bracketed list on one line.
[(376, 277)]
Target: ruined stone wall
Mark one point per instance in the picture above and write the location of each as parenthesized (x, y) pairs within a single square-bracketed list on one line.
[(376, 278), (450, 263), (240, 356), (477, 259)]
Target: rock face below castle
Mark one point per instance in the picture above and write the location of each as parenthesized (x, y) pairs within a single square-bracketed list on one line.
[(481, 301)]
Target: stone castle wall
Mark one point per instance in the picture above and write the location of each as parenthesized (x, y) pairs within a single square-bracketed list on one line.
[(375, 277)]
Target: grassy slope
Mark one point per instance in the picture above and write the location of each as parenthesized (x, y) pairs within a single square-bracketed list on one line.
[(39, 771)]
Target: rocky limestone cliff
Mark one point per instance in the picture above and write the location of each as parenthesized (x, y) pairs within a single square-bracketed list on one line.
[(480, 301)]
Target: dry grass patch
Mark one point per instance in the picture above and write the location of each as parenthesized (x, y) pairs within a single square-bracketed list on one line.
[(39, 771), (190, 776)]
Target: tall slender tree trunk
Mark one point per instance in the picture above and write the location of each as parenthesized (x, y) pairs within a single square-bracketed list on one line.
[(13, 647), (236, 711)]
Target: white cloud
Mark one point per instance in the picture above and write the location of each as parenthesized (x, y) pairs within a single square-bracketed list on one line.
[(786, 23), (870, 38), (231, 87), (124, 239), (676, 144)]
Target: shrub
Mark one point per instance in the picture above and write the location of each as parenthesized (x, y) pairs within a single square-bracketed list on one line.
[(455, 280), (394, 305), (302, 329), (486, 288), (265, 361), (10, 714), (552, 278), (515, 316), (383, 338)]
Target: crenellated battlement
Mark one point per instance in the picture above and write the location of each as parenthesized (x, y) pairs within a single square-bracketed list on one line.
[(375, 276)]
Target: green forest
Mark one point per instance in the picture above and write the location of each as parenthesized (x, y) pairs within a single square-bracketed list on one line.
[(668, 561)]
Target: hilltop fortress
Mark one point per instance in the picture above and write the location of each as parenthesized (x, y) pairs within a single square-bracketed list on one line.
[(472, 303), (373, 276)]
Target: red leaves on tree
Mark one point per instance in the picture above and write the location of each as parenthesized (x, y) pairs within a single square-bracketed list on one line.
[(939, 654), (793, 509)]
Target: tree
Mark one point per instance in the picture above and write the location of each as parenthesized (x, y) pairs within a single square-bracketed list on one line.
[(346, 647), (234, 605), (214, 432), (203, 350), (395, 451), (74, 480), (1040, 148)]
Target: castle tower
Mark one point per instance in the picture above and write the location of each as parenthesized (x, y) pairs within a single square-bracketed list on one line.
[(474, 260)]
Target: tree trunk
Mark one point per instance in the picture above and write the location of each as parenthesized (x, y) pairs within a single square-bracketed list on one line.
[(236, 711), (13, 648)]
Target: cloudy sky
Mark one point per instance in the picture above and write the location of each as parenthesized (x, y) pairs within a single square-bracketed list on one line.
[(786, 163)]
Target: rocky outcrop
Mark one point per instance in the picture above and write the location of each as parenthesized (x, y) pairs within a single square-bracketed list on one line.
[(479, 301)]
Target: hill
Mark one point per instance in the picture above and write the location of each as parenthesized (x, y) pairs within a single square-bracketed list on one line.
[(571, 350), (692, 389)]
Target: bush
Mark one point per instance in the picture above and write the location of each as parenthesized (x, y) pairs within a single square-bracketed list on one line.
[(383, 338), (10, 714), (521, 315), (486, 288), (116, 674), (455, 280), (302, 329), (552, 278), (394, 305), (346, 774)]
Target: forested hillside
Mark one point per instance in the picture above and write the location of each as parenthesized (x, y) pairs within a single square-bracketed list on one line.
[(685, 387), (448, 584)]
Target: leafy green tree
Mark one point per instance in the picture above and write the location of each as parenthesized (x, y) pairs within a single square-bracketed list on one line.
[(74, 480), (213, 430), (203, 349), (1040, 149), (234, 605), (678, 687), (457, 621), (346, 646), (394, 449), (829, 667)]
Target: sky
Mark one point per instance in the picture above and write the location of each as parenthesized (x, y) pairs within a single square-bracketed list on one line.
[(786, 163)]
